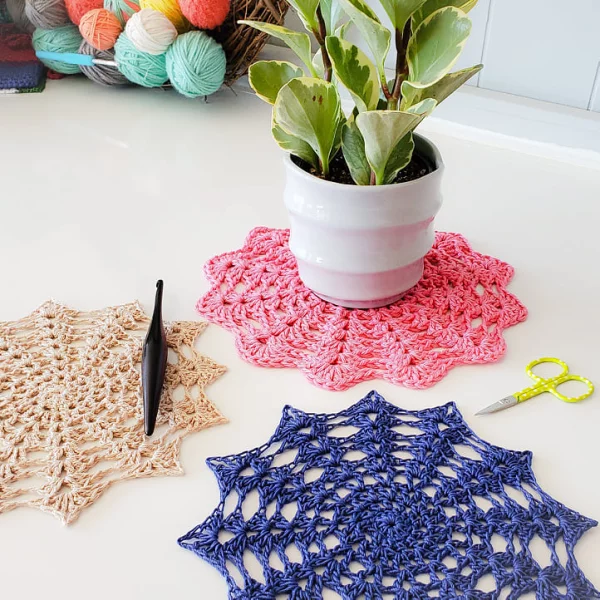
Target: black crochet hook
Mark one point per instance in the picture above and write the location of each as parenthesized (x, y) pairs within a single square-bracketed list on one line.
[(154, 363)]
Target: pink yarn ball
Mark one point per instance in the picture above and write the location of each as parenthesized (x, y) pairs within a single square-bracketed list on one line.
[(78, 8), (205, 14)]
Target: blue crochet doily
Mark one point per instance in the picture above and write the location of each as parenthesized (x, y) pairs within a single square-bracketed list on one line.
[(378, 502)]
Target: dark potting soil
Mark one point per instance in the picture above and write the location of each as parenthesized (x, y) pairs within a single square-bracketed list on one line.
[(339, 172)]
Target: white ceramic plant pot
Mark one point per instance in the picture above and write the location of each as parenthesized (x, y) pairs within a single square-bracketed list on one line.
[(362, 246)]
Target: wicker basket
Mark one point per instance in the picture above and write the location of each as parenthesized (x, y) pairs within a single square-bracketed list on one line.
[(242, 43)]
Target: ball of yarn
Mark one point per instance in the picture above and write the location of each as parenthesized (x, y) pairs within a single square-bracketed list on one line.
[(205, 14), (196, 64), (47, 14), (100, 28), (62, 39), (78, 8), (171, 10), (16, 10), (102, 74), (142, 68), (122, 9), (150, 31)]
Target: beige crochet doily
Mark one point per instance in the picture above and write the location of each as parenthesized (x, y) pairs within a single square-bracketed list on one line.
[(71, 412)]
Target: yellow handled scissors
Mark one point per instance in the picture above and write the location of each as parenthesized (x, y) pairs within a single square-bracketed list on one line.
[(542, 385)]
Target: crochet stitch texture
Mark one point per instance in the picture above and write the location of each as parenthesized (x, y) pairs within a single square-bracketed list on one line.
[(378, 502), (455, 315), (71, 410)]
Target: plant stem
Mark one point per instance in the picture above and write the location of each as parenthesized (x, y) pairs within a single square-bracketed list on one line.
[(320, 36), (401, 61), (385, 89), (373, 180), (324, 168)]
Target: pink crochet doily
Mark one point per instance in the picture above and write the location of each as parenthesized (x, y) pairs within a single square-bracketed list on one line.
[(455, 315)]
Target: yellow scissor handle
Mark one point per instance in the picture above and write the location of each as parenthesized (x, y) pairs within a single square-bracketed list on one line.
[(549, 385)]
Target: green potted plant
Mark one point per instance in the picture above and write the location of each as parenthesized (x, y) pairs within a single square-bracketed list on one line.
[(362, 189)]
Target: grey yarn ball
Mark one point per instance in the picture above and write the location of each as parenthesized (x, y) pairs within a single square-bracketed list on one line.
[(102, 74), (47, 14), (16, 10)]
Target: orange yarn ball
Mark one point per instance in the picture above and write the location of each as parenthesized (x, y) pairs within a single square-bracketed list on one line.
[(205, 14), (100, 28), (78, 8)]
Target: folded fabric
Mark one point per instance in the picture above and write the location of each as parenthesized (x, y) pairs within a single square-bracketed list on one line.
[(20, 75), (19, 67)]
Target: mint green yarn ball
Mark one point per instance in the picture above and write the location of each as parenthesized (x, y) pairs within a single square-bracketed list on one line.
[(196, 64), (62, 39), (144, 69), (122, 9)]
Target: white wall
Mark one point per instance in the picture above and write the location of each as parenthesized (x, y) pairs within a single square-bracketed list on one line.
[(542, 49)]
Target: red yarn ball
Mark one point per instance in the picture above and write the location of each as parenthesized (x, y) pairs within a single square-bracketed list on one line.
[(78, 8), (205, 14)]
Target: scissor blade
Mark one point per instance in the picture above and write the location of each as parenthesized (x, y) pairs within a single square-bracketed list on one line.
[(500, 405)]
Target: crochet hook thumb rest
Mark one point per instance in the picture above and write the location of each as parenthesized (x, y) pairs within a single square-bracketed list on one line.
[(72, 58), (154, 363)]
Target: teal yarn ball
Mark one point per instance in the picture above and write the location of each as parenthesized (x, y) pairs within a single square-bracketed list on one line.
[(196, 64), (148, 70), (122, 9), (62, 39)]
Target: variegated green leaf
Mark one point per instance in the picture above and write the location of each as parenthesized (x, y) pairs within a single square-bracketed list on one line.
[(337, 142), (267, 77), (440, 90), (307, 11), (317, 62), (297, 41), (402, 153), (373, 32), (431, 6), (353, 147), (423, 108), (436, 45), (319, 66), (310, 109), (399, 11), (342, 30), (382, 130), (362, 7), (331, 10), (355, 71), (399, 158), (294, 145)]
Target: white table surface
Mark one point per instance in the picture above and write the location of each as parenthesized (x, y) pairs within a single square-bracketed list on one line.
[(105, 190)]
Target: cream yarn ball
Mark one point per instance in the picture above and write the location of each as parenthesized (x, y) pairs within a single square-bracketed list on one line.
[(150, 31)]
